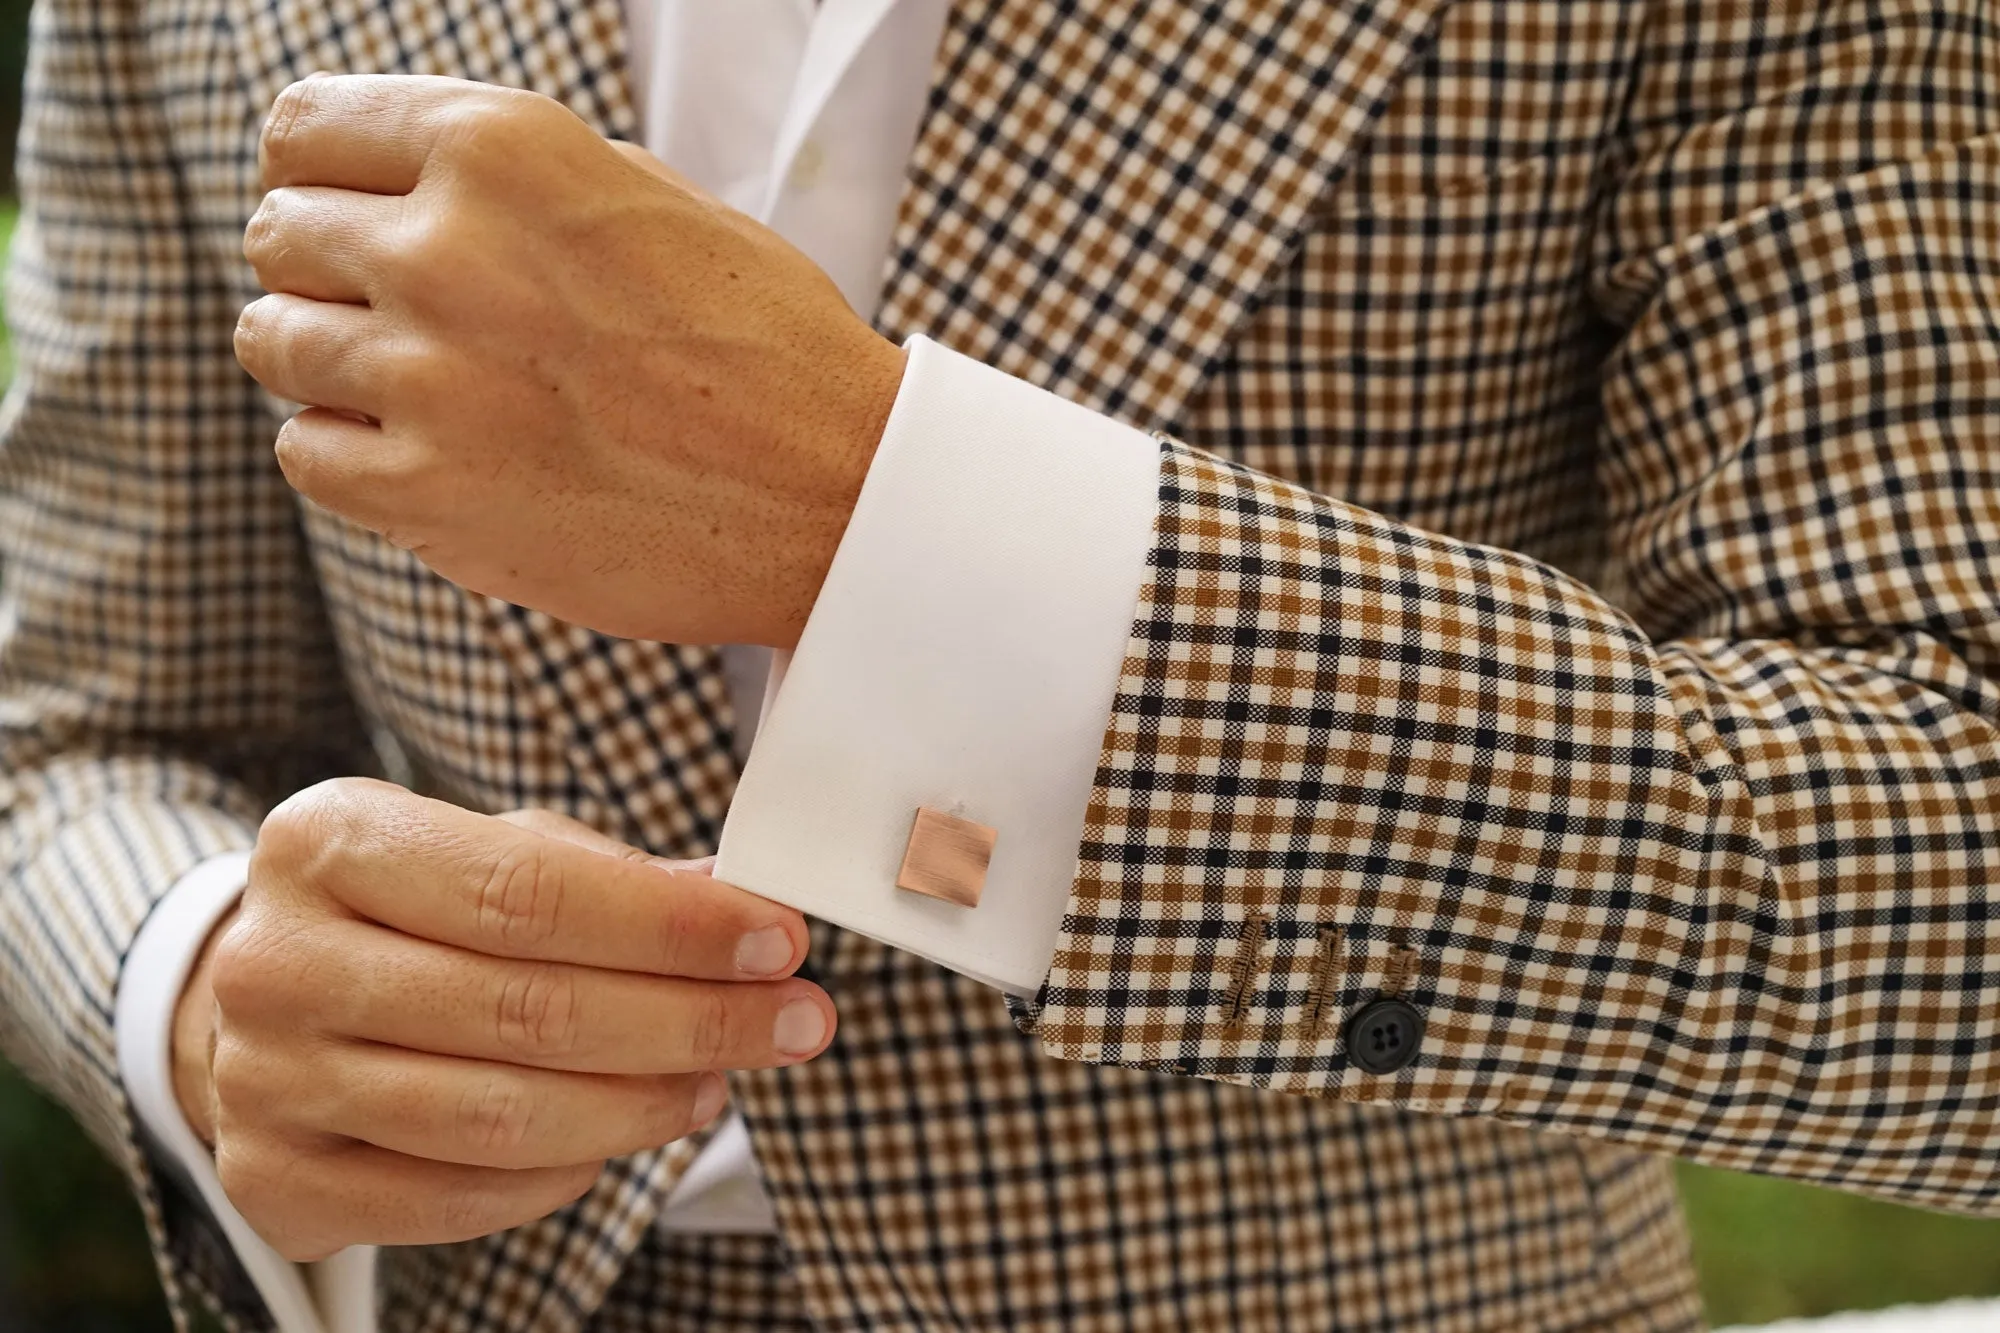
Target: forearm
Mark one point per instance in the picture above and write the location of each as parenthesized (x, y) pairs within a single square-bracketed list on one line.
[(1707, 872), (1348, 757), (1593, 864)]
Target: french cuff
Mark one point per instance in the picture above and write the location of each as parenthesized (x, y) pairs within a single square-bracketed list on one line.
[(333, 1296), (941, 719)]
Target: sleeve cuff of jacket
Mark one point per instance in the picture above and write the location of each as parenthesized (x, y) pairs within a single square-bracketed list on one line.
[(155, 970), (962, 658)]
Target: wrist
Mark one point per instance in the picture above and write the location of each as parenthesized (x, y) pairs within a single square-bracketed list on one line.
[(859, 399), (192, 1046)]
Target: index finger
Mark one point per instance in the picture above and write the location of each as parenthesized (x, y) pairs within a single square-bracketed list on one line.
[(368, 132), (436, 871)]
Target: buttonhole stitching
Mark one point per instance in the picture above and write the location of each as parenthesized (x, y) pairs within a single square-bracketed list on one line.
[(1249, 943), (1402, 965), (1327, 963)]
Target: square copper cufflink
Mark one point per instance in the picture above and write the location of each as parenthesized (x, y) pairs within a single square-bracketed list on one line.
[(947, 858)]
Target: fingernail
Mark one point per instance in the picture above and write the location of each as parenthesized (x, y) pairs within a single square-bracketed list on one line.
[(764, 953), (709, 1095), (801, 1027)]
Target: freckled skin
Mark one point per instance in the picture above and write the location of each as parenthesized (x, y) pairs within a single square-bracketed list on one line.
[(588, 387)]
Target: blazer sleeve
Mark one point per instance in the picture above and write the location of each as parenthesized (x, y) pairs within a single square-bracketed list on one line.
[(165, 665), (1713, 872)]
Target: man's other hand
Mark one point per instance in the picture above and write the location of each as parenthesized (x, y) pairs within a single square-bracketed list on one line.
[(554, 370), (429, 1025)]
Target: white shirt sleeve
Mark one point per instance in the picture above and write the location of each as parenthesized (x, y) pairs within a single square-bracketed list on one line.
[(962, 656), (336, 1295)]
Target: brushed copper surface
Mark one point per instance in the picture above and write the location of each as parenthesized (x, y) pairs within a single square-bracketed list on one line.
[(947, 857)]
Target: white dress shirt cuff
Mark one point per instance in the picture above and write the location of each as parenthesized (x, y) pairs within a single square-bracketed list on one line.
[(335, 1296), (962, 657)]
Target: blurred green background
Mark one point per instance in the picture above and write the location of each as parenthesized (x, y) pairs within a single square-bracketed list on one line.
[(73, 1255)]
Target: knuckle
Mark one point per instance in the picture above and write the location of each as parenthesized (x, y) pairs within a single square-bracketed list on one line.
[(289, 111), (491, 124), (260, 234), (415, 374), (269, 235), (259, 1080), (242, 1172), (249, 970), (295, 825), (307, 832), (297, 458), (234, 967), (477, 128), (676, 930), (283, 1195), (231, 1077), (258, 338), (298, 337), (277, 337), (519, 902), (537, 1011), (431, 270), (264, 1185), (422, 246), (412, 475), (495, 1115), (292, 826), (708, 1029)]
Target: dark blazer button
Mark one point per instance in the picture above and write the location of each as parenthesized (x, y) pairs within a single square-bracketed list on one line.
[(1383, 1036)]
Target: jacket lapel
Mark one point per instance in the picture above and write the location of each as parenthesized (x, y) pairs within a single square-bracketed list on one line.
[(1101, 189)]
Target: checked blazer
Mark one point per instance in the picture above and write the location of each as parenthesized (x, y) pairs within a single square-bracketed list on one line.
[(1574, 610)]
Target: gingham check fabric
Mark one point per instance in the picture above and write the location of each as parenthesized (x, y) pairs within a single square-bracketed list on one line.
[(1711, 869), (719, 1284), (1695, 302)]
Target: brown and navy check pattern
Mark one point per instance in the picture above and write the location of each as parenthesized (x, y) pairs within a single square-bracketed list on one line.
[(718, 1284), (1681, 849), (1710, 869)]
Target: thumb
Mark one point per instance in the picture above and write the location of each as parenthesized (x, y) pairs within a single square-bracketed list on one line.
[(561, 827)]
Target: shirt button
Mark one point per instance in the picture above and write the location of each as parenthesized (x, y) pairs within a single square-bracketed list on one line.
[(808, 165), (1383, 1036)]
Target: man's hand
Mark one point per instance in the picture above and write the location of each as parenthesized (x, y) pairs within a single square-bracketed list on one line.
[(430, 1025), (559, 375)]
